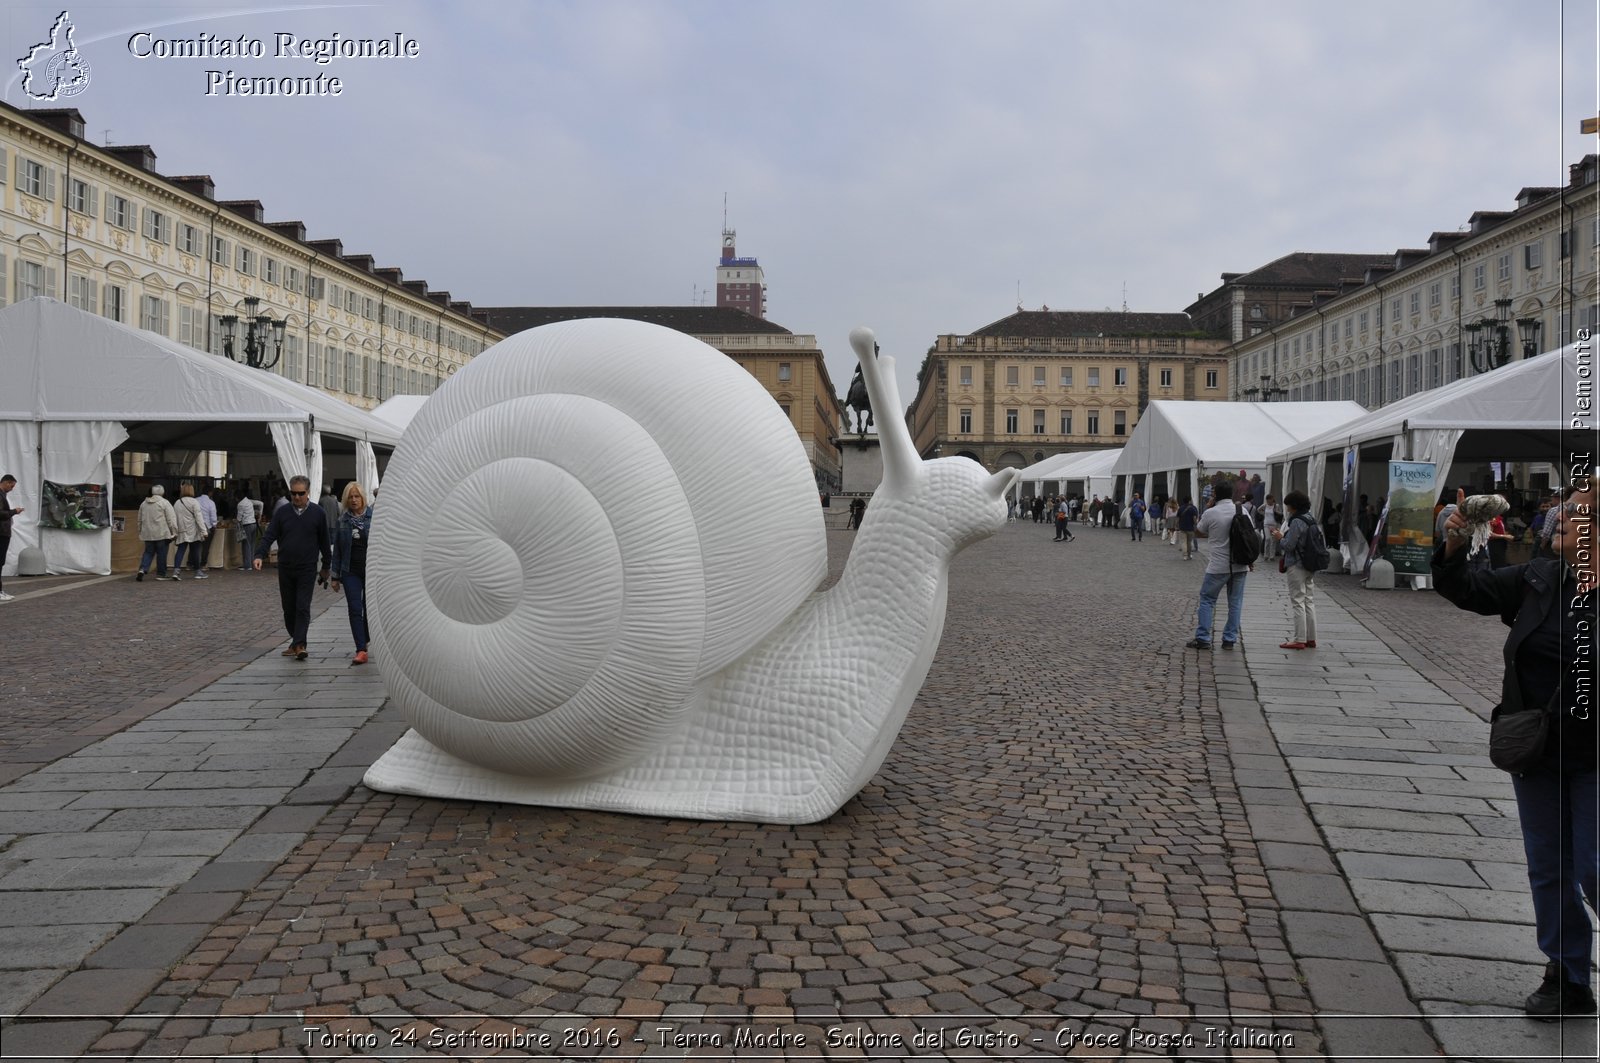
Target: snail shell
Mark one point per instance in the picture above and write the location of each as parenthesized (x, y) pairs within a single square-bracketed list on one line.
[(576, 530)]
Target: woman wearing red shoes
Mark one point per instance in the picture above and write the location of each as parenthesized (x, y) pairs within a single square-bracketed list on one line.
[(1302, 581), (350, 562)]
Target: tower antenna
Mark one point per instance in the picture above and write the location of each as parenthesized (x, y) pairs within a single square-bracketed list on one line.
[(1124, 297), (724, 212)]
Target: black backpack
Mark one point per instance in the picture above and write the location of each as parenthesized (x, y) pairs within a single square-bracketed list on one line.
[(1312, 548), (1244, 542)]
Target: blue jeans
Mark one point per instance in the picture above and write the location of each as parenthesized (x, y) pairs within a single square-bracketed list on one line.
[(1210, 587), (1558, 814), (355, 596), (155, 549), (193, 550)]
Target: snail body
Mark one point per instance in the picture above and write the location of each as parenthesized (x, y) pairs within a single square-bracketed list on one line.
[(570, 612)]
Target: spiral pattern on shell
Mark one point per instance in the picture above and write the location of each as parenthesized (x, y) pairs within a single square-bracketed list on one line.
[(576, 530)]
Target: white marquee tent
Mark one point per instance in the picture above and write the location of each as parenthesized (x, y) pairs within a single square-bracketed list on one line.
[(1177, 443), (398, 410), (77, 386), (1091, 467), (1516, 413)]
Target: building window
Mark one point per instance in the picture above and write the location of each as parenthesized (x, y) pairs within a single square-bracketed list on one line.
[(1533, 255), (1435, 295), (1011, 422), (114, 302), (188, 239), (291, 357), (784, 372), (1094, 376), (966, 376), (1066, 422), (119, 212), (351, 301), (1455, 286), (369, 307), (1066, 376), (965, 421), (1012, 376), (153, 315), (1092, 425), (291, 278), (269, 273), (1503, 264), (245, 261), (1361, 325), (1480, 277), (369, 383), (1166, 376), (34, 279), (1568, 240), (784, 406), (1119, 422), (1347, 386), (1038, 376), (82, 197), (1452, 366), (156, 226), (1396, 379), (191, 326), (1119, 377), (352, 373), (82, 293), (1414, 365), (219, 251), (1361, 386), (1211, 379), (1038, 422), (1256, 312), (1435, 367), (36, 179), (1394, 311)]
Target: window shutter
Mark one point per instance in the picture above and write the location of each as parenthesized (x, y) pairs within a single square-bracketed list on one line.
[(166, 318), (94, 291), (50, 283), (94, 202), (2, 177), (21, 172), (49, 184), (2, 270)]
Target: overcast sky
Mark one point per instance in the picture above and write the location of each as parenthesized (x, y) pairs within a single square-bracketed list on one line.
[(905, 165)]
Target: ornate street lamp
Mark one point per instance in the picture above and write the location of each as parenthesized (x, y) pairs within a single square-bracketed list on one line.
[(1489, 338), (261, 331), (1266, 392)]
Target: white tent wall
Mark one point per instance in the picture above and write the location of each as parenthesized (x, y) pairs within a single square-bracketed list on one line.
[(367, 468), (19, 456), (78, 452)]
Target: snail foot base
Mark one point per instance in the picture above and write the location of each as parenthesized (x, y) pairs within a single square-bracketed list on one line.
[(418, 768)]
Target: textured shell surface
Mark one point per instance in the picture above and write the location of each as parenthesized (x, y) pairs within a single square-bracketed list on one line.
[(577, 529)]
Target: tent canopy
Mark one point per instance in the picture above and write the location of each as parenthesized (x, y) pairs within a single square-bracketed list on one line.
[(398, 410), (1224, 436), (65, 364), (1514, 413)]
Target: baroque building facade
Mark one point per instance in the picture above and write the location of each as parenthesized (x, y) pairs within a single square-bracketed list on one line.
[(1407, 324), (789, 366), (100, 228), (1043, 382)]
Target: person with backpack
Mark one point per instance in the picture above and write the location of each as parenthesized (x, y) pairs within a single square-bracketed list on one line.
[(1136, 511), (1234, 546), (1304, 555)]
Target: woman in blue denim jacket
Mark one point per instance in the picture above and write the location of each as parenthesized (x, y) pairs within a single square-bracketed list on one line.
[(350, 541)]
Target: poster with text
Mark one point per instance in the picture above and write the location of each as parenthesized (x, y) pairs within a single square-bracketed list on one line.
[(1412, 492)]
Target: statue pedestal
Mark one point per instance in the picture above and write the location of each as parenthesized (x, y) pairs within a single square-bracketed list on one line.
[(861, 464)]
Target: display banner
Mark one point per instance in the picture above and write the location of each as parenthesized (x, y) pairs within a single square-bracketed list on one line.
[(1355, 546), (1407, 534), (75, 507)]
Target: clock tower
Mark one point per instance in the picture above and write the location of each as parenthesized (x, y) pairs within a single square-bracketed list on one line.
[(740, 282)]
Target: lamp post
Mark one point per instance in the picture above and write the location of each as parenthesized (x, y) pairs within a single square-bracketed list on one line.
[(263, 336), (1489, 338), (1266, 392)]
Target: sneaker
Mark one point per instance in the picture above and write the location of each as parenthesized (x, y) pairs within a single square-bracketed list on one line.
[(138, 578), (1556, 998), (169, 578), (1228, 645), (300, 653), (1293, 645), (291, 651), (4, 597), (178, 574), (360, 657), (201, 575), (1196, 644)]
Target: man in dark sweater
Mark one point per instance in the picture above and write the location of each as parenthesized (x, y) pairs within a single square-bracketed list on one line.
[(301, 531)]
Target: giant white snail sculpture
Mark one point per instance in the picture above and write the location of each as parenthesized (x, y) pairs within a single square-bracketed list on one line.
[(593, 582)]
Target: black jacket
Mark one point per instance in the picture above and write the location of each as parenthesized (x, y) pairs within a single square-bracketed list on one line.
[(301, 538), (1523, 597)]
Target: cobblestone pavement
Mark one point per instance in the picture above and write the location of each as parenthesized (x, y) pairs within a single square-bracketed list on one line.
[(1087, 842), (87, 657)]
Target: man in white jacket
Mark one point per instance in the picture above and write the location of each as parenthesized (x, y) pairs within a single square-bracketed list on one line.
[(158, 526)]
